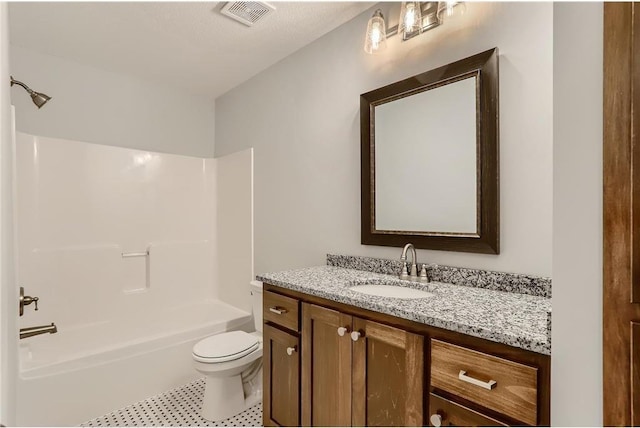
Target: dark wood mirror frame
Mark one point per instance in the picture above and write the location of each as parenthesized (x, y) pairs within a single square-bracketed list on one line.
[(484, 66)]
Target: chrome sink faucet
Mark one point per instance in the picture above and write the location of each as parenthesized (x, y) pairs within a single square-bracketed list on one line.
[(414, 263)]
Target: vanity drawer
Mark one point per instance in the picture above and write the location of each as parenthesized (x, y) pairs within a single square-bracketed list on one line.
[(443, 412), (281, 310), (495, 383)]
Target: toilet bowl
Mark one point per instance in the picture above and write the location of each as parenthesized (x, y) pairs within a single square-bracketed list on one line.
[(232, 364)]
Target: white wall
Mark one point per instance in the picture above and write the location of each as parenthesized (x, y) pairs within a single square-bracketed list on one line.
[(576, 360), (98, 106), (302, 118), (8, 292)]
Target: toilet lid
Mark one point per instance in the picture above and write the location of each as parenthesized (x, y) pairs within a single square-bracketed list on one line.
[(226, 346)]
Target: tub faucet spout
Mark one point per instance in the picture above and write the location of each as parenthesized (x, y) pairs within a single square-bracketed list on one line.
[(34, 331), (414, 263)]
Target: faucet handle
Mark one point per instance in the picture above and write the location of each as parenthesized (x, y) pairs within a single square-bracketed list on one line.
[(423, 273), (414, 269), (25, 301), (29, 300), (405, 270)]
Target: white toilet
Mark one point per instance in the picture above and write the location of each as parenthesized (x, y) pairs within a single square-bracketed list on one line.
[(232, 363)]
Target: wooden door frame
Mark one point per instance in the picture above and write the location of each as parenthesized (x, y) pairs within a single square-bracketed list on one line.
[(621, 216)]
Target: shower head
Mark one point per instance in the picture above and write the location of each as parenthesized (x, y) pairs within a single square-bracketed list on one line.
[(38, 98)]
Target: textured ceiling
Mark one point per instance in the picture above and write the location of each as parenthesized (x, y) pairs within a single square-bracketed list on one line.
[(184, 44)]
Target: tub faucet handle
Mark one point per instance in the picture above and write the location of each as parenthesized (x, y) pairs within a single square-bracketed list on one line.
[(26, 300), (29, 300)]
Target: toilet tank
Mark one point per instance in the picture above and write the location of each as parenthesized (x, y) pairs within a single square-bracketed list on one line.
[(256, 303)]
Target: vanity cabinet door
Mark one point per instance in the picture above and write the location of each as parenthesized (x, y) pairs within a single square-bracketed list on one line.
[(326, 367), (282, 378), (388, 375)]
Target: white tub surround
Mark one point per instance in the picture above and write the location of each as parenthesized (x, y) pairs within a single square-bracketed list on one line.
[(81, 206), (120, 247)]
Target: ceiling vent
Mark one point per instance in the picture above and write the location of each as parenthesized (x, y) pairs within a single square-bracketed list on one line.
[(247, 12)]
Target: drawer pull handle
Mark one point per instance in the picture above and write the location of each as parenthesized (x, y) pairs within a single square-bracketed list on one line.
[(291, 350), (277, 310), (486, 385), (355, 335), (342, 331)]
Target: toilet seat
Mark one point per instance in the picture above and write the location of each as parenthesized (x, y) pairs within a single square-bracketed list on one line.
[(225, 347)]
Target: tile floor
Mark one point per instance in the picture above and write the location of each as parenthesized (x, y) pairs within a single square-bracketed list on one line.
[(178, 407)]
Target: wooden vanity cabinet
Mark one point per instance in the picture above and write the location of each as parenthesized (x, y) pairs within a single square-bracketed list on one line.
[(367, 373), (281, 360), (355, 367)]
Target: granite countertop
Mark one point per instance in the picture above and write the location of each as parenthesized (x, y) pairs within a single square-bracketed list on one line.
[(514, 319)]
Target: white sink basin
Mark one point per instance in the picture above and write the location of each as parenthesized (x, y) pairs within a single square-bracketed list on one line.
[(388, 290)]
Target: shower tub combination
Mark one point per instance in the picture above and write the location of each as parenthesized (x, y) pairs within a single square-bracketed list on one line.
[(85, 372), (119, 246)]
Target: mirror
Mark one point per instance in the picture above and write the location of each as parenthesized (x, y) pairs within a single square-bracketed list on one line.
[(429, 137), (430, 159)]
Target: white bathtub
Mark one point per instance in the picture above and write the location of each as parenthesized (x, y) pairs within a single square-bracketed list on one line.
[(83, 372)]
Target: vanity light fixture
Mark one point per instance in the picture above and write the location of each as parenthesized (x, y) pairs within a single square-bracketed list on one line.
[(415, 18)]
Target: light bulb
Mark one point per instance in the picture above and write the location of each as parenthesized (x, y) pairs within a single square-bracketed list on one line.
[(410, 19), (376, 37), (448, 10)]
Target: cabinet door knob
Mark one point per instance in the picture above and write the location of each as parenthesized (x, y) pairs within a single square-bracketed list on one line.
[(355, 335), (436, 420), (291, 350), (342, 331)]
